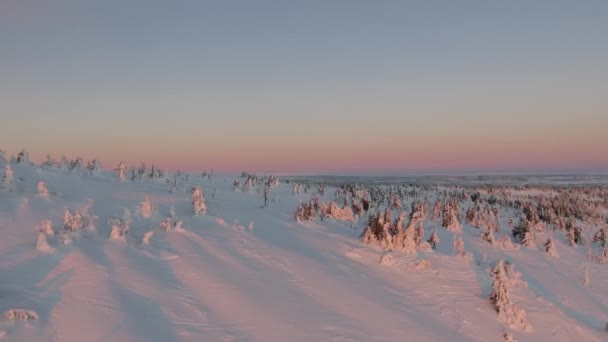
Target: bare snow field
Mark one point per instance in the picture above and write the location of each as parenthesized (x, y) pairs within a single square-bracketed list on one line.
[(85, 256)]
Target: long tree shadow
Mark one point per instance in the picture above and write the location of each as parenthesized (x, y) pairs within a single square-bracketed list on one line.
[(27, 286), (144, 317), (589, 321)]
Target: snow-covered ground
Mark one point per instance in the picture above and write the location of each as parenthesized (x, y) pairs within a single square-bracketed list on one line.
[(242, 272)]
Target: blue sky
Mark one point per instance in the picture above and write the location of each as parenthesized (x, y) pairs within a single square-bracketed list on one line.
[(309, 85)]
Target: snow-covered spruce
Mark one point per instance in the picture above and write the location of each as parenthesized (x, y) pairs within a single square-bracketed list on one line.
[(198, 201), (459, 250), (42, 244), (315, 208), (94, 167), (146, 208), (450, 216), (508, 312), (434, 240), (119, 228), (42, 190), (72, 221), (121, 172), (489, 237), (8, 181), (550, 248)]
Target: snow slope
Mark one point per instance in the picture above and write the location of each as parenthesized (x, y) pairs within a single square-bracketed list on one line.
[(246, 273)]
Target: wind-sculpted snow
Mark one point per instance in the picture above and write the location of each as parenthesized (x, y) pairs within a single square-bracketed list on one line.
[(102, 257)]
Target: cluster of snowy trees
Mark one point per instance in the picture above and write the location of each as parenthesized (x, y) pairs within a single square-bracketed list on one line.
[(536, 217), (314, 208)]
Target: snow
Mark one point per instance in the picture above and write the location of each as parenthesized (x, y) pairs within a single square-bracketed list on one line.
[(166, 274)]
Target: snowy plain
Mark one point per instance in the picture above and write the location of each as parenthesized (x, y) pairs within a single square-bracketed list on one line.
[(242, 272)]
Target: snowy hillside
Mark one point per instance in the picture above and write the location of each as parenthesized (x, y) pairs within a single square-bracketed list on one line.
[(93, 258)]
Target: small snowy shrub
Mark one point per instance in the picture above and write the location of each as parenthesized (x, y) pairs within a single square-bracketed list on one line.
[(119, 228), (42, 190), (147, 237), (42, 244), (146, 208), (21, 315)]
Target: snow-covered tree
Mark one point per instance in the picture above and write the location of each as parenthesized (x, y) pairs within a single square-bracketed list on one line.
[(489, 237), (434, 240), (9, 182), (94, 167), (450, 217), (508, 312), (49, 162), (119, 228), (72, 221), (22, 157), (46, 226), (395, 201), (76, 164), (42, 244), (198, 202), (550, 248), (121, 171), (459, 247), (146, 208), (600, 237), (42, 190)]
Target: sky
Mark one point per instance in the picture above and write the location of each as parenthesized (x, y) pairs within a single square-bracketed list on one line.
[(309, 86)]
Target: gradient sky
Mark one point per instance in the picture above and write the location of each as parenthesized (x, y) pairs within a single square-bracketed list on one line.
[(309, 86)]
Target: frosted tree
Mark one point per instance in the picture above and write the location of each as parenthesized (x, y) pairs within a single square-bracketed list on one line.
[(94, 167), (119, 228), (146, 208), (198, 202), (550, 248), (395, 201), (42, 244), (434, 240), (459, 247), (450, 217), (22, 157), (42, 190), (489, 237), (121, 171), (76, 164), (419, 233), (297, 188), (529, 240), (46, 226), (437, 210), (9, 182), (49, 162), (508, 312), (600, 237), (603, 257), (72, 221)]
